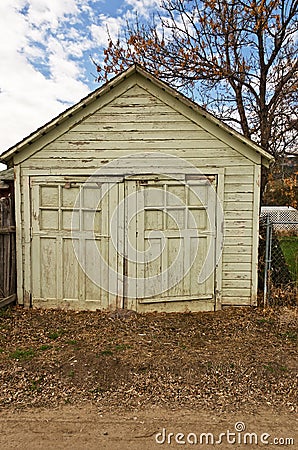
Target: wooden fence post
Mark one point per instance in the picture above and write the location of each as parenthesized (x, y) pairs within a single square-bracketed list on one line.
[(7, 252)]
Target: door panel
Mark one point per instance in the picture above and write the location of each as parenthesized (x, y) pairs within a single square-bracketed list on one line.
[(72, 253), (174, 232)]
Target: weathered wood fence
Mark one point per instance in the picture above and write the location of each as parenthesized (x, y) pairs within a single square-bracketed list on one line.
[(7, 252)]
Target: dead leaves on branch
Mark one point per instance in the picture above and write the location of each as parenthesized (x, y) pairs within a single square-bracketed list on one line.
[(248, 47)]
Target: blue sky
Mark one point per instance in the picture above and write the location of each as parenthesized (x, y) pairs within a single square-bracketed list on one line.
[(45, 49)]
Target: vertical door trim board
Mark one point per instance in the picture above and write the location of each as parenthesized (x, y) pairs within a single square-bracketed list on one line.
[(219, 237), (255, 234), (27, 199), (130, 188), (19, 235), (117, 300)]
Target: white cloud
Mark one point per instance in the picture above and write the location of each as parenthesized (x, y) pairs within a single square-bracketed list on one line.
[(50, 12), (143, 7), (41, 72), (110, 26), (44, 52)]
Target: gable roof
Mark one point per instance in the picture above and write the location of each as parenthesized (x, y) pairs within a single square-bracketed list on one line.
[(7, 156)]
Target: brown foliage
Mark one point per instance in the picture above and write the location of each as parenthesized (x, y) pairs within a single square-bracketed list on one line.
[(282, 186)]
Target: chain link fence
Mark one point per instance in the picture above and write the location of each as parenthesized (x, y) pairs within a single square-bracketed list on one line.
[(278, 256)]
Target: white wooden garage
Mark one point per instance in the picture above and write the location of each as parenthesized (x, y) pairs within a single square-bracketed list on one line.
[(136, 198)]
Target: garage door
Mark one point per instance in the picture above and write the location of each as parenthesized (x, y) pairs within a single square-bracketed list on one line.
[(121, 243), (171, 236), (70, 228)]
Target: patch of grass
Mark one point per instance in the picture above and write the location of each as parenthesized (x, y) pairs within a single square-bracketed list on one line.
[(269, 368), (289, 246), (121, 347), (35, 385), (71, 373), (22, 354), (209, 364), (290, 335), (106, 352), (116, 348), (56, 334), (72, 342), (45, 347), (265, 320), (275, 368), (5, 312)]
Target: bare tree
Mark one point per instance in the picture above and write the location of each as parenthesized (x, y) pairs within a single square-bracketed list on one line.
[(238, 58)]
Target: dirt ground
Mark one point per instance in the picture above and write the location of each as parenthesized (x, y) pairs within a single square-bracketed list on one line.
[(99, 380), (77, 428)]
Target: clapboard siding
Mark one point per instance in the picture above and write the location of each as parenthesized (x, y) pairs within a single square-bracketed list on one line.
[(81, 138), (238, 187), (146, 124), (135, 120), (235, 250), (229, 258), (194, 155), (140, 122), (237, 253), (138, 117)]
